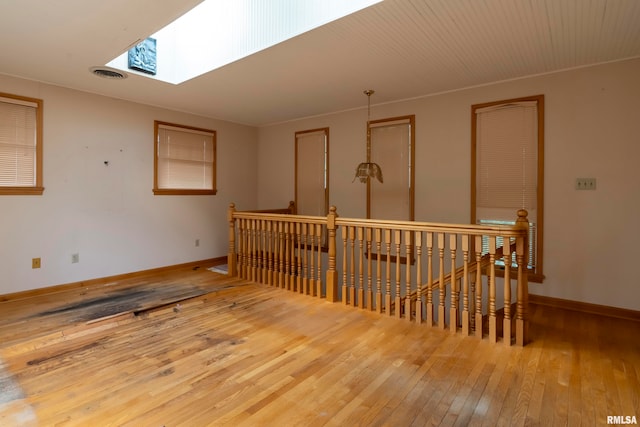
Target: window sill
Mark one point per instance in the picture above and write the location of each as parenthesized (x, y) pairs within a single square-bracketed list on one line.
[(183, 192), (21, 191)]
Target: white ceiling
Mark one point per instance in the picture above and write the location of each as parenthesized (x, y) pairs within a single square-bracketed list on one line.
[(401, 48)]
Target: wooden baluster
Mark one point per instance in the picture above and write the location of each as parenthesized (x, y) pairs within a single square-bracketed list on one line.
[(312, 263), (369, 303), (332, 274), (345, 270), (263, 252), (241, 249), (430, 279), (419, 298), (472, 302), (493, 333), (360, 267), (274, 253), (256, 250), (303, 269), (282, 254), (269, 250), (387, 297), (318, 283), (298, 258), (249, 232), (287, 254), (252, 250), (506, 322), (407, 282), (453, 310), (465, 286), (308, 253), (378, 234), (442, 286), (478, 317), (294, 260), (396, 239), (247, 248), (305, 258), (232, 257), (522, 251), (255, 267), (352, 281)]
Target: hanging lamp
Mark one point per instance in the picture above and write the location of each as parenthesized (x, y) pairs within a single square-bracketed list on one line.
[(368, 169)]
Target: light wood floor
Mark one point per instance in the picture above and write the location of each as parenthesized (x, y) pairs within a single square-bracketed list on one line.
[(247, 354)]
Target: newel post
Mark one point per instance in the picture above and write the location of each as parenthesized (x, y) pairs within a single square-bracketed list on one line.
[(231, 255), (522, 304), (332, 274)]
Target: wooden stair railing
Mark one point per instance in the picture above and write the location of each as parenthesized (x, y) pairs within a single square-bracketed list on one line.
[(286, 251), (468, 319)]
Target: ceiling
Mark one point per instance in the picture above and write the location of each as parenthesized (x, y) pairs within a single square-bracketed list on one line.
[(401, 48)]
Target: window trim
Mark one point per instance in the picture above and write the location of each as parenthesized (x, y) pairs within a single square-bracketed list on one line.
[(325, 130), (411, 119), (38, 188), (535, 275), (182, 191), (325, 245)]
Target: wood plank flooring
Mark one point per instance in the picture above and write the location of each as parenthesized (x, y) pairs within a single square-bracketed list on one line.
[(251, 355)]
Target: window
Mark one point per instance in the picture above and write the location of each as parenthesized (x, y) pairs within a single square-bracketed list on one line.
[(312, 172), (392, 147), (20, 145), (185, 160), (507, 168)]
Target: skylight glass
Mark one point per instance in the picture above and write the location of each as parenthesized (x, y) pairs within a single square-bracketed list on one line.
[(218, 32)]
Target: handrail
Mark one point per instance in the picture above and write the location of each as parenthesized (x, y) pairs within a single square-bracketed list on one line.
[(475, 230)]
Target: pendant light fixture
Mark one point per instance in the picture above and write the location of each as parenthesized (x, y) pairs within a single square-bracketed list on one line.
[(368, 169)]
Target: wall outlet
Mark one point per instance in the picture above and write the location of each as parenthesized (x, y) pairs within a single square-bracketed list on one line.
[(197, 242), (35, 263), (75, 258), (585, 183)]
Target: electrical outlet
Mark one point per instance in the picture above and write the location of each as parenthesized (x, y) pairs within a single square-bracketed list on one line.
[(197, 242), (585, 183), (75, 258), (35, 263)]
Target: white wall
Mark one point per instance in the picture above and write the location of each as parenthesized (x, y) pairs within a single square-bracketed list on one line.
[(108, 214), (592, 118)]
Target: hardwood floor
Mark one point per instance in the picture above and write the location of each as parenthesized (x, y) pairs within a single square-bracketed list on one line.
[(246, 354)]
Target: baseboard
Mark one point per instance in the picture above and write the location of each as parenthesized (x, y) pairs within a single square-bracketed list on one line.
[(206, 263), (585, 307)]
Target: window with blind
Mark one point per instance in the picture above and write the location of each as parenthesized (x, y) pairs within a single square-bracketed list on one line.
[(20, 145), (508, 166), (392, 147), (185, 160), (312, 172)]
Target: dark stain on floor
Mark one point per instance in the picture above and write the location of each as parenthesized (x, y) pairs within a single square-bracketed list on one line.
[(134, 300)]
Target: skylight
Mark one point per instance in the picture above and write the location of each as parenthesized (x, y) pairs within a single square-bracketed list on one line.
[(218, 32)]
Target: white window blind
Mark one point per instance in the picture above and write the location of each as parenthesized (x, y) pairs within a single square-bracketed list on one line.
[(507, 150), (507, 167), (18, 143), (185, 158), (312, 172), (391, 149)]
